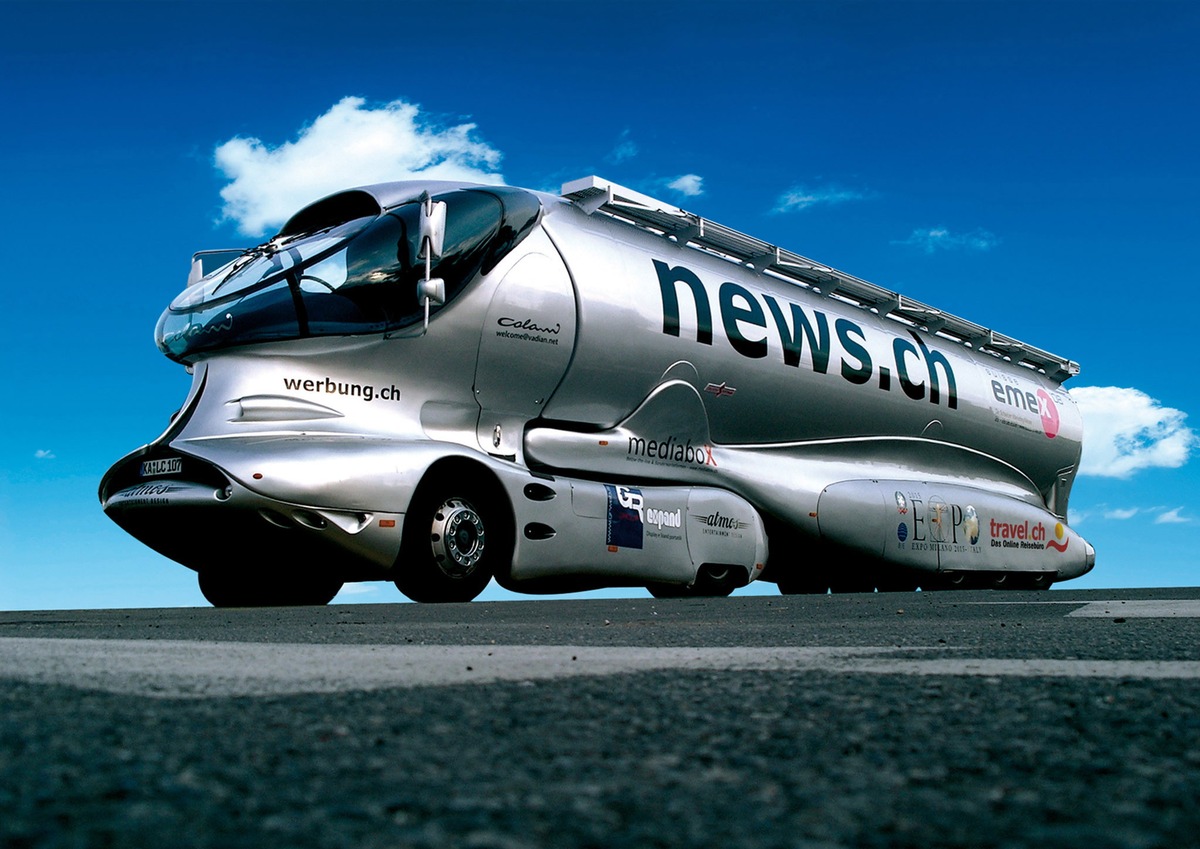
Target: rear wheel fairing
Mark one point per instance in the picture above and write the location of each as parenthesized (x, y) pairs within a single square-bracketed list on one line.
[(948, 528)]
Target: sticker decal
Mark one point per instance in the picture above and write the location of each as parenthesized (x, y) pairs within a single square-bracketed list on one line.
[(716, 524), (971, 524), (625, 521), (720, 389), (1049, 413), (1058, 543), (939, 518)]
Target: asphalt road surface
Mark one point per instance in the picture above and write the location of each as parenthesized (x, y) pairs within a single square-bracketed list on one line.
[(976, 719)]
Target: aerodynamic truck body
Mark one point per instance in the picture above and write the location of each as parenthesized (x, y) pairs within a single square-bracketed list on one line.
[(438, 384)]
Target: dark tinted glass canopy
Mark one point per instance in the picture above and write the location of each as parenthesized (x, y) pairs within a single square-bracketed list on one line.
[(343, 267)]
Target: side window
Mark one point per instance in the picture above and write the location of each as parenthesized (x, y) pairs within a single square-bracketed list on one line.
[(367, 287)]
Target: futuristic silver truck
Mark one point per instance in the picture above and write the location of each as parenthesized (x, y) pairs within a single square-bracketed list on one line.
[(439, 384)]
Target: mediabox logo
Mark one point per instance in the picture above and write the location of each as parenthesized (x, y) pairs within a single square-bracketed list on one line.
[(671, 450)]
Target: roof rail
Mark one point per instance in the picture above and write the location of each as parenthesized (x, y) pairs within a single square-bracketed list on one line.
[(593, 194)]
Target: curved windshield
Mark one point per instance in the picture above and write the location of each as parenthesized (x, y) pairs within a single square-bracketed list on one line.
[(358, 276)]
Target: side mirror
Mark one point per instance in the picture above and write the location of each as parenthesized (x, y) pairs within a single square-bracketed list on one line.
[(206, 262), (432, 291), (433, 229)]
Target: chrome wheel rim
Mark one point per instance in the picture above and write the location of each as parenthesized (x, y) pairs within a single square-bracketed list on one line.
[(457, 538)]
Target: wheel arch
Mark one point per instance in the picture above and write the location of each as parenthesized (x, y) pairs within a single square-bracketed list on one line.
[(476, 476)]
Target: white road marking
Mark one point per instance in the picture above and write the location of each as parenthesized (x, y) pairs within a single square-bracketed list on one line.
[(1158, 609), (192, 669), (1150, 609)]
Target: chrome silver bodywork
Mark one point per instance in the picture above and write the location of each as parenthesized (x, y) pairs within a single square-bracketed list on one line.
[(617, 393)]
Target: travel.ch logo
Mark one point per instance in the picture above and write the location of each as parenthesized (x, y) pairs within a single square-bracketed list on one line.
[(1028, 535), (1060, 541)]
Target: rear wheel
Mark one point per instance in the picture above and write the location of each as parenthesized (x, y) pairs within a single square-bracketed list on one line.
[(712, 581), (896, 580), (944, 581), (797, 581), (456, 535), (1030, 581)]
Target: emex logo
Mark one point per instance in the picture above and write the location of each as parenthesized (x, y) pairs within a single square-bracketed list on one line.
[(1041, 404), (1049, 413)]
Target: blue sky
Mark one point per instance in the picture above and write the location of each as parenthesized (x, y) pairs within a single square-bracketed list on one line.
[(1029, 166)]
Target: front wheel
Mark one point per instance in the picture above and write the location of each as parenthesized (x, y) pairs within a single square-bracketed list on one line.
[(455, 538)]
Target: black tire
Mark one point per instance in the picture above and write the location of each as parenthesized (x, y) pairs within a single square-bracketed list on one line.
[(661, 590), (896, 580), (234, 588), (945, 581), (812, 581), (457, 534), (1030, 581), (854, 582), (853, 573), (1000, 581)]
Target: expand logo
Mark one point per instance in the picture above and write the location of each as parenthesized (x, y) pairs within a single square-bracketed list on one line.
[(625, 522)]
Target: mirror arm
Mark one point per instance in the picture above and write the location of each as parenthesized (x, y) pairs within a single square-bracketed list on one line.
[(433, 238)]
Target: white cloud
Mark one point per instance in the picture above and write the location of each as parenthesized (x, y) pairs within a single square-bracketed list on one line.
[(350, 145), (941, 239), (1172, 517), (624, 150), (1121, 514), (691, 185), (43, 454), (1126, 431), (802, 197)]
